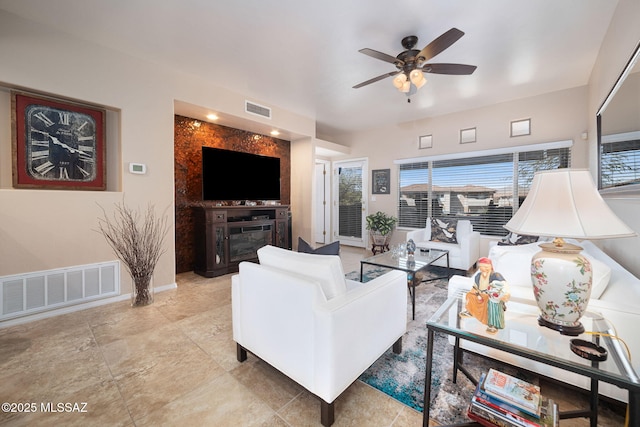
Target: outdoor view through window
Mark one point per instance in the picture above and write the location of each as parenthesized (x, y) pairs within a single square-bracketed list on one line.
[(484, 189)]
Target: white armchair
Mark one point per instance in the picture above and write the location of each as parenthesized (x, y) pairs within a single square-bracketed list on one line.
[(463, 243), (297, 312)]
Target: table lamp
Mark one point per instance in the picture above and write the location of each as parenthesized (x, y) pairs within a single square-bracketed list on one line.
[(564, 203)]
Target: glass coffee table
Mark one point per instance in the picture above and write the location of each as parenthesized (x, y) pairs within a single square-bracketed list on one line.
[(422, 260), (523, 338)]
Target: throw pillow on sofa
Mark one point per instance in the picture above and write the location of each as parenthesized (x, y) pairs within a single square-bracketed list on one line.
[(517, 239), (330, 249), (444, 230)]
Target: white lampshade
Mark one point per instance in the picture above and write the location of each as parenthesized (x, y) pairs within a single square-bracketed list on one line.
[(566, 203), (417, 78), (406, 87), (399, 81)]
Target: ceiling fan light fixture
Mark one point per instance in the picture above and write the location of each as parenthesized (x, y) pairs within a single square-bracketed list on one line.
[(410, 64), (417, 78), (399, 81)]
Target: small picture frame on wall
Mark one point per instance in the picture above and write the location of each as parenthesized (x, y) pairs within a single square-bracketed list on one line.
[(425, 141), (521, 127), (381, 181), (467, 135)]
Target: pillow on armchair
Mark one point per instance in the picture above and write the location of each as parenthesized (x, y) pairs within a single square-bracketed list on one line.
[(330, 249), (444, 230)]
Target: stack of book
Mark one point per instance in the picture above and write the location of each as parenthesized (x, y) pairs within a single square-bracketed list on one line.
[(506, 401)]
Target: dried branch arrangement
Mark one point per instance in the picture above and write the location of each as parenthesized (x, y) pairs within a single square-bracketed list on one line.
[(137, 240)]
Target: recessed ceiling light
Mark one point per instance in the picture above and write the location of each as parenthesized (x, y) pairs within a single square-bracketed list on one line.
[(212, 116), (275, 133)]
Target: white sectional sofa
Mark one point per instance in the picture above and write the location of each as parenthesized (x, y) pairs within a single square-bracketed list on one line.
[(615, 296)]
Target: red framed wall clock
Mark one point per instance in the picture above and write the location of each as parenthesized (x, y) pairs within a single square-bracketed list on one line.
[(57, 144)]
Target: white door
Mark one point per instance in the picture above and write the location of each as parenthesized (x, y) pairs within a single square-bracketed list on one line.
[(349, 201), (322, 204)]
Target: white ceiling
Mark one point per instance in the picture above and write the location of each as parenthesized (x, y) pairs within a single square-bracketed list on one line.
[(303, 55)]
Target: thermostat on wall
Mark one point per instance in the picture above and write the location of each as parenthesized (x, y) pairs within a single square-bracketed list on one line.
[(139, 168)]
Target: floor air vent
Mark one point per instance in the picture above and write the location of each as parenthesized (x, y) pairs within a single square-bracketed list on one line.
[(256, 109), (30, 293)]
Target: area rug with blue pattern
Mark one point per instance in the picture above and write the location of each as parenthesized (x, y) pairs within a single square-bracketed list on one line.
[(401, 376)]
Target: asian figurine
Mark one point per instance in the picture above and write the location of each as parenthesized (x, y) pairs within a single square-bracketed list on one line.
[(486, 301)]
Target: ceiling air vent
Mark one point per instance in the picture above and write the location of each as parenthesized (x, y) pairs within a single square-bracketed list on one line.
[(256, 109)]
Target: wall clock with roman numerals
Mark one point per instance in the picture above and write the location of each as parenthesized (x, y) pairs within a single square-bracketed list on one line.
[(57, 144)]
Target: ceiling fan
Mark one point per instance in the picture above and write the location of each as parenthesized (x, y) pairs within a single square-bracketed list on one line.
[(411, 63)]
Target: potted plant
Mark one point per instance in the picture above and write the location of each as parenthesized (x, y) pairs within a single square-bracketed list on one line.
[(380, 226)]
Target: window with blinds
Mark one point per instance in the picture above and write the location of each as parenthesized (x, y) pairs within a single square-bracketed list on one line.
[(480, 188), (620, 160), (413, 205), (486, 189)]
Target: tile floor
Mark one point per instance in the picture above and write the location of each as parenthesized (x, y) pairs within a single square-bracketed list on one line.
[(171, 363)]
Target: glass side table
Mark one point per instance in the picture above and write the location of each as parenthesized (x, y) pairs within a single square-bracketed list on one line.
[(523, 337)]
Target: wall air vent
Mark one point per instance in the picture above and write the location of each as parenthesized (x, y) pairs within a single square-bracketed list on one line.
[(40, 291), (258, 110)]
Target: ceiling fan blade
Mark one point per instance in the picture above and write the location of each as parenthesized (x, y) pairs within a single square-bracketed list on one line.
[(441, 43), (455, 69), (375, 79), (382, 56)]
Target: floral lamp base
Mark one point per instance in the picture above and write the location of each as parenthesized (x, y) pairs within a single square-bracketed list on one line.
[(561, 278)]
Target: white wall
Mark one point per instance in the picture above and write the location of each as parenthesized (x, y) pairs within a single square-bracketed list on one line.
[(41, 230), (616, 49), (50, 229), (302, 189)]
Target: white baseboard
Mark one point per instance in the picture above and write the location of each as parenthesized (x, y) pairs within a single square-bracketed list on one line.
[(78, 307)]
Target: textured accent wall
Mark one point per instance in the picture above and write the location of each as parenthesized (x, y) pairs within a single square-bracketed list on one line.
[(190, 136)]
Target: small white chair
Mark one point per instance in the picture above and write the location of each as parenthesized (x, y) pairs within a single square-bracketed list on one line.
[(463, 244), (297, 312)]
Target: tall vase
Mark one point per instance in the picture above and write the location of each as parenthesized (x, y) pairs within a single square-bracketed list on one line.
[(142, 292)]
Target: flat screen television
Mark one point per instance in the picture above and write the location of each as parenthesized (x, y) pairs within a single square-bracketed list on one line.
[(233, 175)]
